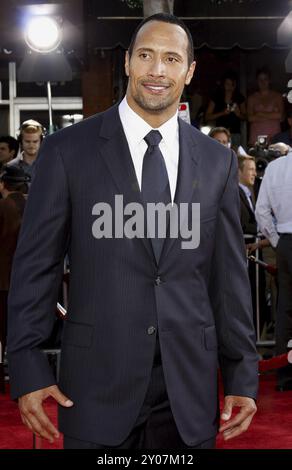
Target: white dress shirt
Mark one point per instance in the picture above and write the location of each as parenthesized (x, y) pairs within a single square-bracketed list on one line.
[(274, 204), (136, 129)]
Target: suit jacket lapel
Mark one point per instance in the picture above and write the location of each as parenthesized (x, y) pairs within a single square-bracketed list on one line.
[(187, 178), (114, 149)]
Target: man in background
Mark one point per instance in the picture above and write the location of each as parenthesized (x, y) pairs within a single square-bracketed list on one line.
[(30, 138), (222, 135), (274, 217), (8, 149), (246, 175)]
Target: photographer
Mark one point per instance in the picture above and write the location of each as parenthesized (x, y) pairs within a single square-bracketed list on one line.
[(274, 217), (222, 135), (264, 154)]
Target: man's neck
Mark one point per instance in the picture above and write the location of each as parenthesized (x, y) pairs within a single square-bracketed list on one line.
[(28, 159), (154, 119), (248, 186)]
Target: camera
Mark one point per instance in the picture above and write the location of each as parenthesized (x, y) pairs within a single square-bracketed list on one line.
[(263, 153), (231, 107)]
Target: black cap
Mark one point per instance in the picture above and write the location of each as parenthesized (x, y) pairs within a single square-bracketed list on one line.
[(14, 174)]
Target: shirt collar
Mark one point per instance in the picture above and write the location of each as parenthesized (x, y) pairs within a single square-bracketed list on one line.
[(136, 128), (245, 189), (23, 162)]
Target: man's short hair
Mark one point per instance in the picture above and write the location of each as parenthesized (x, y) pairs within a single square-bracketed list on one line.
[(165, 18), (217, 130), (31, 127), (242, 159), (11, 142)]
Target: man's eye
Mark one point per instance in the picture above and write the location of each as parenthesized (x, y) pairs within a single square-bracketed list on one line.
[(144, 55), (172, 59)]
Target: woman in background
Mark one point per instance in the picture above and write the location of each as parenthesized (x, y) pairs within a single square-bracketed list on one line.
[(265, 109), (227, 107)]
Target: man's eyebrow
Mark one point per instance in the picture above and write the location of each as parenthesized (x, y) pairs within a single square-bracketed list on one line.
[(148, 49), (145, 49)]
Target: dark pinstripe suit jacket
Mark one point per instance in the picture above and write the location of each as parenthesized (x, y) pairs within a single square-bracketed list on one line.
[(202, 307)]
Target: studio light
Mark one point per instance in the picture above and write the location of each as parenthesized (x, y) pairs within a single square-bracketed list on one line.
[(43, 34)]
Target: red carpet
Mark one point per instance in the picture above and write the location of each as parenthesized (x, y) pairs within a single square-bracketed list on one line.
[(271, 427)]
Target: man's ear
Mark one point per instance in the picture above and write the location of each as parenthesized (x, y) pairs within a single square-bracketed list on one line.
[(127, 63), (190, 73)]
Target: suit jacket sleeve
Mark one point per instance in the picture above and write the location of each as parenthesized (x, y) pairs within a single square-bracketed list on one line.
[(37, 273), (231, 297)]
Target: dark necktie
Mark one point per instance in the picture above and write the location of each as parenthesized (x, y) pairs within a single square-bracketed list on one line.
[(155, 185), (251, 202)]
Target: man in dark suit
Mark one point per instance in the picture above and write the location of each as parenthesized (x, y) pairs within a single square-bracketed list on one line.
[(147, 320), (246, 174)]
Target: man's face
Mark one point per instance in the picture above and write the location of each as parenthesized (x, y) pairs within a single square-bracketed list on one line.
[(31, 143), (158, 69), (248, 173), (5, 154), (222, 138)]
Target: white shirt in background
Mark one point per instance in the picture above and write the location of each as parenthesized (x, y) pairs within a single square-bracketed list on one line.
[(274, 204)]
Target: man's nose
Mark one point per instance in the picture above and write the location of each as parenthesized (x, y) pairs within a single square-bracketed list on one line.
[(157, 68)]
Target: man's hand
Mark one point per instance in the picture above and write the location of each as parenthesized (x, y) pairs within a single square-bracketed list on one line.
[(236, 110), (251, 247), (239, 423), (33, 414)]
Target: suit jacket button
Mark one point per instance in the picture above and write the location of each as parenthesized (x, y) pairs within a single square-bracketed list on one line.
[(151, 330), (158, 281)]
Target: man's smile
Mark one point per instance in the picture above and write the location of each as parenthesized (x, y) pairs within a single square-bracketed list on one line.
[(155, 88)]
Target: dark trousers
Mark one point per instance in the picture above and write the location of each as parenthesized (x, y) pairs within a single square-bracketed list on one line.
[(284, 307), (155, 427)]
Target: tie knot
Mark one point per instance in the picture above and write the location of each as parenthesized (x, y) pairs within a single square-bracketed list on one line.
[(153, 138)]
